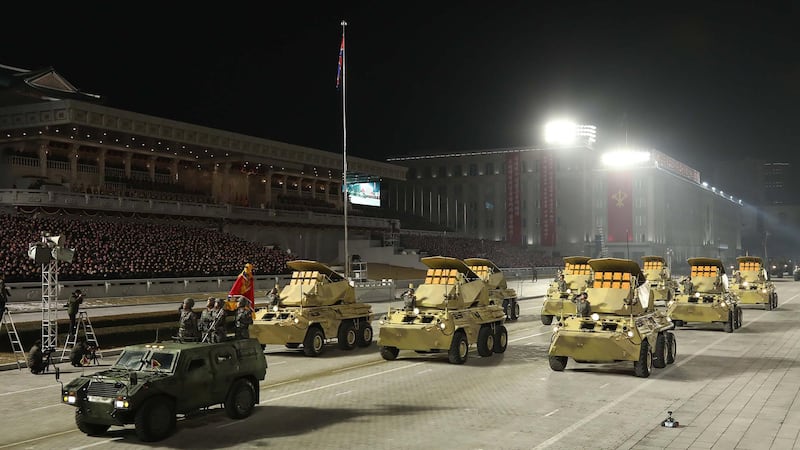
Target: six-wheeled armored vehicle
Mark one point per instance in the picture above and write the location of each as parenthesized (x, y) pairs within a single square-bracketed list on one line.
[(751, 285), (317, 305), (151, 383), (662, 286), (452, 312), (705, 297), (620, 323), (572, 280), (499, 292)]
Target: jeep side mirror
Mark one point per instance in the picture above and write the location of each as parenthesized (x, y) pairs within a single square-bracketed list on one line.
[(134, 378)]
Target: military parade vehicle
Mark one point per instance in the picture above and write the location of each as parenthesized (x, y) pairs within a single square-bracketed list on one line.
[(705, 297), (751, 285), (317, 305), (659, 279), (620, 323), (495, 279), (150, 384), (452, 312), (576, 277)]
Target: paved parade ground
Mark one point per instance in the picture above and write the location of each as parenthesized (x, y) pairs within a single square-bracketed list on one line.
[(727, 391)]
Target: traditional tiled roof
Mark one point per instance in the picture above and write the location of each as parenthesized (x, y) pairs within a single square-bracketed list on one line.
[(24, 86)]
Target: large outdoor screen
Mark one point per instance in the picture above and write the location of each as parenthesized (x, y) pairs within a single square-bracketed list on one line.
[(368, 194)]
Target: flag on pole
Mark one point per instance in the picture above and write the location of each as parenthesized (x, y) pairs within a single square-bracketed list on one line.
[(341, 63)]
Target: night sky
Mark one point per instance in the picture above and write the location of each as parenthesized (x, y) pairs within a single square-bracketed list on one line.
[(719, 81)]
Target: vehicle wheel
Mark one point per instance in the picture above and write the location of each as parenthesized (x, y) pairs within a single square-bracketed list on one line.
[(314, 342), (365, 334), (679, 323), (90, 429), (500, 339), (729, 324), (775, 300), (547, 319), (292, 344), (485, 341), (738, 317), (768, 305), (459, 348), (557, 363), (644, 365), (514, 310), (241, 399), (347, 336), (672, 347), (660, 356), (389, 353), (155, 420)]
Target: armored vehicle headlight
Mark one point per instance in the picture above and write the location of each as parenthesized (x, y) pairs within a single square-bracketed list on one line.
[(746, 283), (630, 333), (670, 302), (723, 303), (275, 308), (555, 328), (569, 291), (296, 320), (764, 291), (696, 295), (442, 325), (415, 311), (595, 316)]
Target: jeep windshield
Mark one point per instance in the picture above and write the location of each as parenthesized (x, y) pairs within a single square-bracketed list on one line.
[(156, 360)]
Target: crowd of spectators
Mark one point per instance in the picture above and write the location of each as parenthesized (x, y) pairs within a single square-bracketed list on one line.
[(108, 248), (503, 254)]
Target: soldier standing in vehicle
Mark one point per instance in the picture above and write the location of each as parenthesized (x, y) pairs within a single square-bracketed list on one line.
[(219, 333), (244, 317), (187, 324), (582, 305), (409, 299), (272, 296), (207, 317)]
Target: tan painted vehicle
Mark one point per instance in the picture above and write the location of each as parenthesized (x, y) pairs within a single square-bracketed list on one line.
[(705, 297), (495, 280), (620, 323), (751, 284), (576, 278), (452, 312), (659, 279), (316, 306)]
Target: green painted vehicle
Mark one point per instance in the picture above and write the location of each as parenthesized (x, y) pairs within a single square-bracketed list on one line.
[(619, 324), (751, 285), (662, 287), (317, 306), (150, 384), (562, 291), (705, 297), (495, 280), (453, 311)]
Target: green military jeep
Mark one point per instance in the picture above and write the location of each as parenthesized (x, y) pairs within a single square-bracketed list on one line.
[(151, 383)]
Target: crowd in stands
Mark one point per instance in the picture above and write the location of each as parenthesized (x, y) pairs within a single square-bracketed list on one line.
[(502, 254), (114, 249)]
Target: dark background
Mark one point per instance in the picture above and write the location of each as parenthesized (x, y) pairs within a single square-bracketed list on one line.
[(700, 81)]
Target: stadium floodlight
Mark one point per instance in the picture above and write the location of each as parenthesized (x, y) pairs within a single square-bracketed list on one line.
[(565, 132), (625, 158)]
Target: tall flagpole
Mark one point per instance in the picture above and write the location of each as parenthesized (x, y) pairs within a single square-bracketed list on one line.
[(344, 154)]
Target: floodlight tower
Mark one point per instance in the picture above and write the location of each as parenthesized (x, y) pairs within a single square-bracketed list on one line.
[(48, 253)]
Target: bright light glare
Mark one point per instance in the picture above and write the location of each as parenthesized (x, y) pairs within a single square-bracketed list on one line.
[(623, 158), (560, 132)]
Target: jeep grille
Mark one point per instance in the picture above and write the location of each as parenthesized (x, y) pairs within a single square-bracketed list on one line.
[(101, 389)]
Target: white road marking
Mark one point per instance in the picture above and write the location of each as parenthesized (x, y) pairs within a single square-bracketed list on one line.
[(343, 393), (281, 383), (424, 371), (26, 390), (14, 444), (48, 406), (276, 363), (551, 413), (529, 336), (97, 443), (601, 387), (356, 367)]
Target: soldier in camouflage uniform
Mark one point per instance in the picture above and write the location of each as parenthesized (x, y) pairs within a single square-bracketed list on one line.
[(219, 333), (207, 318), (187, 324), (244, 317), (582, 305)]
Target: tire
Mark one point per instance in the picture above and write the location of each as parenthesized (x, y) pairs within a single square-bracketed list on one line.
[(679, 323), (292, 344), (514, 308), (90, 429), (364, 334), (739, 317), (500, 339), (775, 300), (389, 353), (347, 337), (660, 355), (644, 365), (768, 305), (155, 420), (485, 341), (546, 319), (729, 324), (672, 347), (314, 342), (459, 348), (241, 399), (557, 363)]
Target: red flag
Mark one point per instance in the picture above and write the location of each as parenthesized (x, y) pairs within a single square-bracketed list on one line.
[(244, 285), (341, 64)]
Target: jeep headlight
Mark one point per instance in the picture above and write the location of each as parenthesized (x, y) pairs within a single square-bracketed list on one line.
[(121, 403), (69, 397)]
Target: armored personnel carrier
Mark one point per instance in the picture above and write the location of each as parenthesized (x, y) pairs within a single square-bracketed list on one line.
[(751, 285), (453, 311), (150, 384), (495, 280), (659, 279), (705, 297), (619, 324), (316, 306), (576, 278)]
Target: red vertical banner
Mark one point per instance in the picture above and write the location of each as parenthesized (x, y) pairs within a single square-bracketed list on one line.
[(513, 216), (547, 198), (619, 197)]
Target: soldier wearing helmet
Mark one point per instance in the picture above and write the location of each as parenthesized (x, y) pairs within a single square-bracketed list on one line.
[(187, 323), (244, 317)]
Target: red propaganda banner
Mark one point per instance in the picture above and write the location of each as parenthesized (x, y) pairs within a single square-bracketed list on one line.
[(547, 197), (513, 217), (619, 197), (244, 285)]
